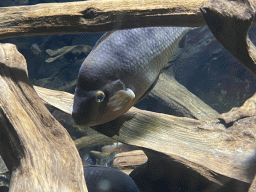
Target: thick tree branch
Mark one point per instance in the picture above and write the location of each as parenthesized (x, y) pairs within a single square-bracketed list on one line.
[(96, 16), (35, 147), (207, 146)]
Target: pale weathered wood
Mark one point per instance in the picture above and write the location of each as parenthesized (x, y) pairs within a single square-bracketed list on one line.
[(253, 186), (128, 161), (93, 140), (95, 16), (64, 99), (35, 147), (172, 94), (207, 143), (207, 146)]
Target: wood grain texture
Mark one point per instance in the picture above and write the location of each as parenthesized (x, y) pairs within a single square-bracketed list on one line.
[(253, 186), (128, 161), (37, 149), (208, 146), (179, 100), (93, 140), (96, 16), (237, 17)]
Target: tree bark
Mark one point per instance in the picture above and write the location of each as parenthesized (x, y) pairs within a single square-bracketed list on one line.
[(128, 161), (253, 186), (178, 100), (93, 140), (37, 150), (96, 16), (224, 145)]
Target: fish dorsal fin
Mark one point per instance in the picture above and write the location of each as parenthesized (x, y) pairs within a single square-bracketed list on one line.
[(102, 38), (121, 98)]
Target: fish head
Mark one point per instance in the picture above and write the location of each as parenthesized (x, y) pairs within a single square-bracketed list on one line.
[(99, 101)]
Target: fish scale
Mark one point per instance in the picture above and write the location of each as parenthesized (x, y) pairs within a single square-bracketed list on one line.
[(124, 65)]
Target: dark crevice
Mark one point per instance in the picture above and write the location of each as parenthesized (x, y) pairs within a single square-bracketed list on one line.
[(227, 125)]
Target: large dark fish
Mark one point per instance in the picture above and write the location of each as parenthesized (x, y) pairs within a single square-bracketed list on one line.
[(121, 70), (106, 179)]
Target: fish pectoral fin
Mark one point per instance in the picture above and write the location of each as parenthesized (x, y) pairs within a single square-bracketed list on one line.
[(121, 98)]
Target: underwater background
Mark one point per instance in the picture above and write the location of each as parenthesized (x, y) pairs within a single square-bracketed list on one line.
[(205, 68)]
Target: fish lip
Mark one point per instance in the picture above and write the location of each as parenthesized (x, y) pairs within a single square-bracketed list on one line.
[(78, 119)]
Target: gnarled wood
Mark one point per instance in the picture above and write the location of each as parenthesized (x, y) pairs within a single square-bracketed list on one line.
[(230, 22), (93, 140), (208, 146), (35, 147), (179, 100), (253, 186), (128, 161), (95, 16)]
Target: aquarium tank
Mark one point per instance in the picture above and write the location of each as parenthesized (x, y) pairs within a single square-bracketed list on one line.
[(190, 65)]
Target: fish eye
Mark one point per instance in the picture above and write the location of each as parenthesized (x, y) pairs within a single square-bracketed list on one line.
[(99, 96)]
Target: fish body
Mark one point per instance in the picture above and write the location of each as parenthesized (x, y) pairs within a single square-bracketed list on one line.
[(106, 179), (121, 70)]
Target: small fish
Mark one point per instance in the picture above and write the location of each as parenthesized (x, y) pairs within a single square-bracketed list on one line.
[(106, 179), (88, 160), (122, 69)]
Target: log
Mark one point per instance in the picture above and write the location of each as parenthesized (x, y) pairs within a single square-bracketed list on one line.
[(96, 16), (234, 36), (36, 149), (59, 99), (167, 91), (179, 101), (93, 140), (253, 186), (168, 174), (205, 143), (128, 161), (208, 146)]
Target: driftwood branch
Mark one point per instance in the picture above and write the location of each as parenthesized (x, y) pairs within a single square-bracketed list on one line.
[(253, 186), (96, 16), (178, 99), (224, 145), (128, 161), (208, 146), (35, 147), (93, 140)]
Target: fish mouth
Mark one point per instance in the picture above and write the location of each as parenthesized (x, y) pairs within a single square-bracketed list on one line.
[(79, 120), (81, 114)]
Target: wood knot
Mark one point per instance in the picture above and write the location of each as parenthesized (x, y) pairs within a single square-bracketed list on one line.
[(90, 13)]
